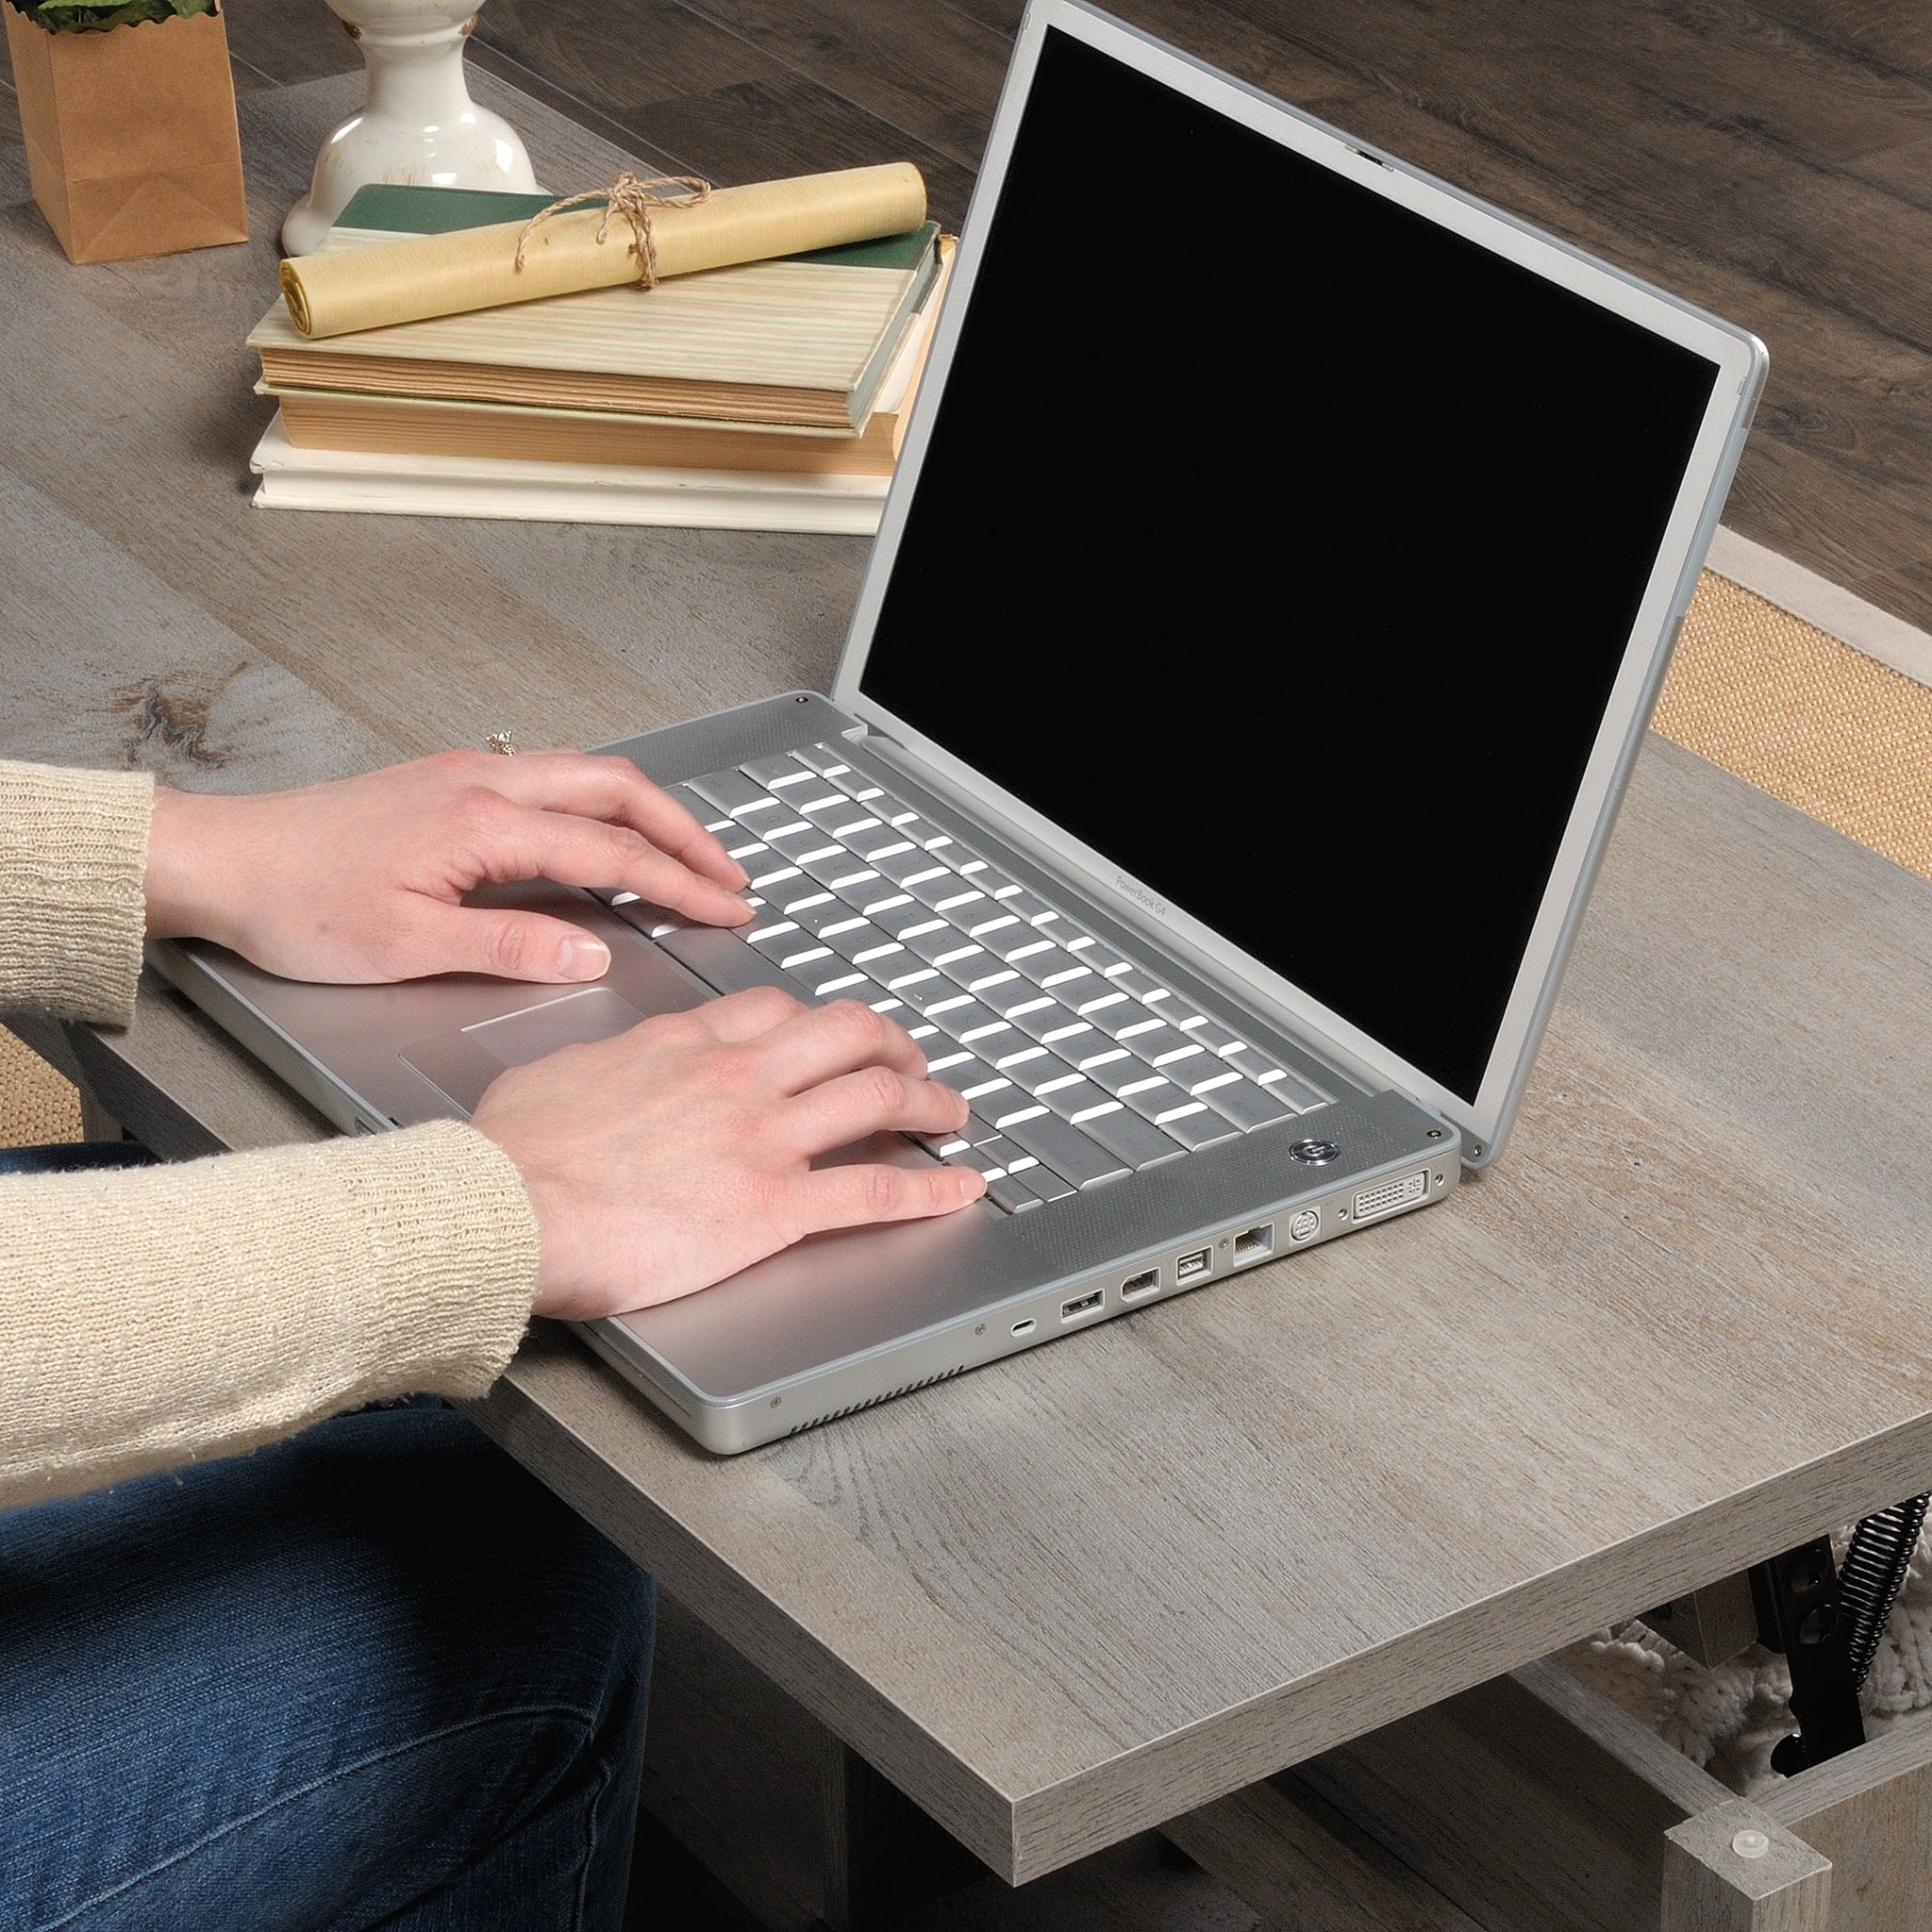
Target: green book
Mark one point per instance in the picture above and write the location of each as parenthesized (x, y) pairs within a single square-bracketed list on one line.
[(806, 340)]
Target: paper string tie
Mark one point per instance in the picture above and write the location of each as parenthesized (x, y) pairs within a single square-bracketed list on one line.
[(633, 199)]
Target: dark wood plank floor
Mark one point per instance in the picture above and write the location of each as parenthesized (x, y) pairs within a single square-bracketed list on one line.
[(1772, 158)]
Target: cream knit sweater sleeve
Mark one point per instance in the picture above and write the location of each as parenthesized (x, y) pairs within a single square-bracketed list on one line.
[(152, 1316)]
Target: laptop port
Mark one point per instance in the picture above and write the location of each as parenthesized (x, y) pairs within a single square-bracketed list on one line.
[(1403, 1191), (1135, 1286), (1081, 1305), (1191, 1267), (1251, 1244), (1025, 1327)]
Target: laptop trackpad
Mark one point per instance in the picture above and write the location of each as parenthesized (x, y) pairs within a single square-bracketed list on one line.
[(463, 1063)]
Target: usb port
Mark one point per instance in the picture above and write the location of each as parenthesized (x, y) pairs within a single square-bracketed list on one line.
[(1253, 1242), (1081, 1305), (1191, 1267), (1135, 1286)]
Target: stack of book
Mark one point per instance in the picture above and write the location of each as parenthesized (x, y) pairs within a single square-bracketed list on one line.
[(767, 396)]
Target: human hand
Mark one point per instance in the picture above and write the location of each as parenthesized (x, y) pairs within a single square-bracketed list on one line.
[(664, 1158), (362, 879)]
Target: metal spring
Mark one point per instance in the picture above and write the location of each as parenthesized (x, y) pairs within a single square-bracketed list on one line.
[(1871, 1577)]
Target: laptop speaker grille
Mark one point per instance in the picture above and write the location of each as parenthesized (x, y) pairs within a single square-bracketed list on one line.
[(832, 1415)]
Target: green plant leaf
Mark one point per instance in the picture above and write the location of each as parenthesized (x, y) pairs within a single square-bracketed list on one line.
[(91, 16)]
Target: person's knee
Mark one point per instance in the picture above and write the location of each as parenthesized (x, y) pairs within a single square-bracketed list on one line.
[(385, 1604)]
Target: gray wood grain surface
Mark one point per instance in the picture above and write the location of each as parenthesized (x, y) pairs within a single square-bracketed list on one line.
[(1735, 1870), (1678, 1327)]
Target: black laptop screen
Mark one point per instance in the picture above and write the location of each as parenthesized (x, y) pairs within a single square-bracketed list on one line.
[(1283, 546)]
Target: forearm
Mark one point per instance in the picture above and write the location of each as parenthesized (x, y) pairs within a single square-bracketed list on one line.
[(154, 1316), (73, 862)]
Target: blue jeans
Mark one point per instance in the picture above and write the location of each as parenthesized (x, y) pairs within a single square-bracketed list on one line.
[(373, 1676)]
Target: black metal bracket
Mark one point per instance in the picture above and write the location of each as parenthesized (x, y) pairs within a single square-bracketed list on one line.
[(1798, 1600)]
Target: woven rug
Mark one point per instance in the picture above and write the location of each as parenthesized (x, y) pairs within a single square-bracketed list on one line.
[(1804, 717), (37, 1106)]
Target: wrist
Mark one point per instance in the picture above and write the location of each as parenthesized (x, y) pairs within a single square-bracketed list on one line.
[(185, 886)]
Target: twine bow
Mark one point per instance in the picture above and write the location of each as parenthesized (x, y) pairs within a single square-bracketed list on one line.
[(633, 200)]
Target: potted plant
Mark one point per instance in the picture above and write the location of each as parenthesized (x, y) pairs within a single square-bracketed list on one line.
[(128, 115)]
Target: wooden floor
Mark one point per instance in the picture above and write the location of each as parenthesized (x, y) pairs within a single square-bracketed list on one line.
[(1771, 159)]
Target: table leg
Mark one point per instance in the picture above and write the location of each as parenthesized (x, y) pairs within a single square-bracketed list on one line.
[(1736, 1869), (796, 1827)]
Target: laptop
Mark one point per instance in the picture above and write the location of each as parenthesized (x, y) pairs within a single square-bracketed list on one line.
[(1282, 563)]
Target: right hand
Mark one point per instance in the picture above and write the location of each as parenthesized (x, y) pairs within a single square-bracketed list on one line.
[(664, 1158)]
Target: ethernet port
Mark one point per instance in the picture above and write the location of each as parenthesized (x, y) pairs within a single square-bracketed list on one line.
[(1253, 1243)]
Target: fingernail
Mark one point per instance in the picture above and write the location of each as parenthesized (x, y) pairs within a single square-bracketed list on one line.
[(743, 877), (583, 958)]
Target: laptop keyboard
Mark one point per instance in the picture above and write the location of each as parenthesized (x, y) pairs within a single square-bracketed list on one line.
[(1079, 1065)]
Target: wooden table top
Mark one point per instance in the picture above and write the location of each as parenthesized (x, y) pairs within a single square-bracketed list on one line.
[(1676, 1328)]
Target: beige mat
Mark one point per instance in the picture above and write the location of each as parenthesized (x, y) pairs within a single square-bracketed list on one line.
[(37, 1106), (1805, 718), (1761, 693)]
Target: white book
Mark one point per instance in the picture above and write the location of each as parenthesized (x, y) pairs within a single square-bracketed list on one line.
[(386, 484)]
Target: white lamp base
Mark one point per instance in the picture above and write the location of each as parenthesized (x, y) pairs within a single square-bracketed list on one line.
[(419, 124)]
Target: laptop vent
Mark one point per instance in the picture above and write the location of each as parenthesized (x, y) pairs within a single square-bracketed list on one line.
[(1388, 1196), (872, 1401)]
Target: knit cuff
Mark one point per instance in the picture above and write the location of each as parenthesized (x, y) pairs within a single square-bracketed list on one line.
[(73, 900), (452, 1247), (257, 1293)]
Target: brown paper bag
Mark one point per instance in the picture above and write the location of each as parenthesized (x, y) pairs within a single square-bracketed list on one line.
[(131, 143)]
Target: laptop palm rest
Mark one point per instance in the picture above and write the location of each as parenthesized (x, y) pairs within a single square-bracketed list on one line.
[(462, 1063)]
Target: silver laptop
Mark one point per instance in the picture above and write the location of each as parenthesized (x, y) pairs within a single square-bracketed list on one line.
[(1282, 563)]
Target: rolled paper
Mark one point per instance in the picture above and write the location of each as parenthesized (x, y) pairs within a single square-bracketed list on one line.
[(342, 290)]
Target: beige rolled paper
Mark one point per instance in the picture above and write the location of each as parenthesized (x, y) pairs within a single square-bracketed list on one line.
[(342, 290)]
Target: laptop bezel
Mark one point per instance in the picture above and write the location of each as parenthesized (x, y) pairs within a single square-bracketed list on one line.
[(1740, 360)]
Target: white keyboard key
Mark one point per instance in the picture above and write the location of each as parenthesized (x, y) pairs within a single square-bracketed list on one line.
[(860, 787), (1052, 966), (1195, 1125), (1123, 1132), (766, 931), (827, 761), (1009, 996), (1068, 1151), (1247, 1105), (774, 774), (733, 793), (1072, 1102)]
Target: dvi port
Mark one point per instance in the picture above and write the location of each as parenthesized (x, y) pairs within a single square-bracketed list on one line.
[(1385, 1198)]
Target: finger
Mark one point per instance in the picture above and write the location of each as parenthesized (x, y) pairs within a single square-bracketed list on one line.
[(742, 1016), (508, 945), (825, 1041), (525, 843), (872, 1100), (613, 790), (855, 1196)]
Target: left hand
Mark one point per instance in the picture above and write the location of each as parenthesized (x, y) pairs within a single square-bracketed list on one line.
[(362, 880)]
